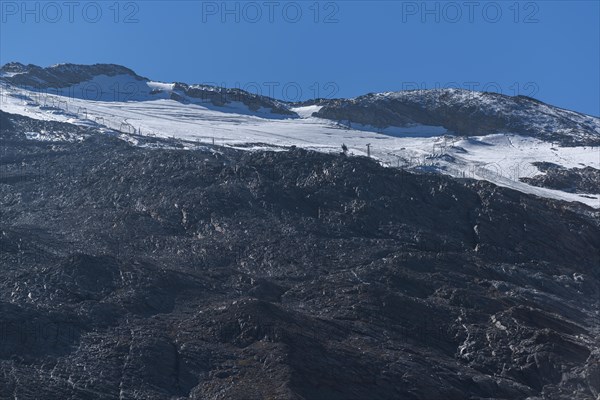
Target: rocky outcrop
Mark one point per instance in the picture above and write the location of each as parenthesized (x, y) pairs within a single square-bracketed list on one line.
[(572, 180), (223, 96)]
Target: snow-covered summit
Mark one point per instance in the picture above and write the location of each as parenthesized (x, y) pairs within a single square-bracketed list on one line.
[(460, 111), (467, 113)]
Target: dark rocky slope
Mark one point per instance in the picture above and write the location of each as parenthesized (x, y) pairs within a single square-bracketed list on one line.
[(152, 274), (573, 180)]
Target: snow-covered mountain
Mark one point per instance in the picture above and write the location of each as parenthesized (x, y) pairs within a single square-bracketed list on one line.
[(468, 113), (465, 134), (109, 82)]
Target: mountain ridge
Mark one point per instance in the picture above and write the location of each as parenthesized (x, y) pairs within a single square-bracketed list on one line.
[(461, 111)]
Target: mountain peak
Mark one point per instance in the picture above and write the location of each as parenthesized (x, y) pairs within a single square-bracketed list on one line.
[(94, 69), (61, 75), (14, 67), (466, 112)]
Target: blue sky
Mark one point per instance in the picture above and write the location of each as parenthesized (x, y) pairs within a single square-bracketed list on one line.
[(304, 49)]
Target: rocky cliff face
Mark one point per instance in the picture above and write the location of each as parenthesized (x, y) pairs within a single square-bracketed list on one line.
[(467, 113), (217, 274)]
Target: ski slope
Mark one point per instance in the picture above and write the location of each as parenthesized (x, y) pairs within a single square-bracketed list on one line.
[(148, 110)]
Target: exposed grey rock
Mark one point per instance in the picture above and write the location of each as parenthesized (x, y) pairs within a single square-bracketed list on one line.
[(573, 180)]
